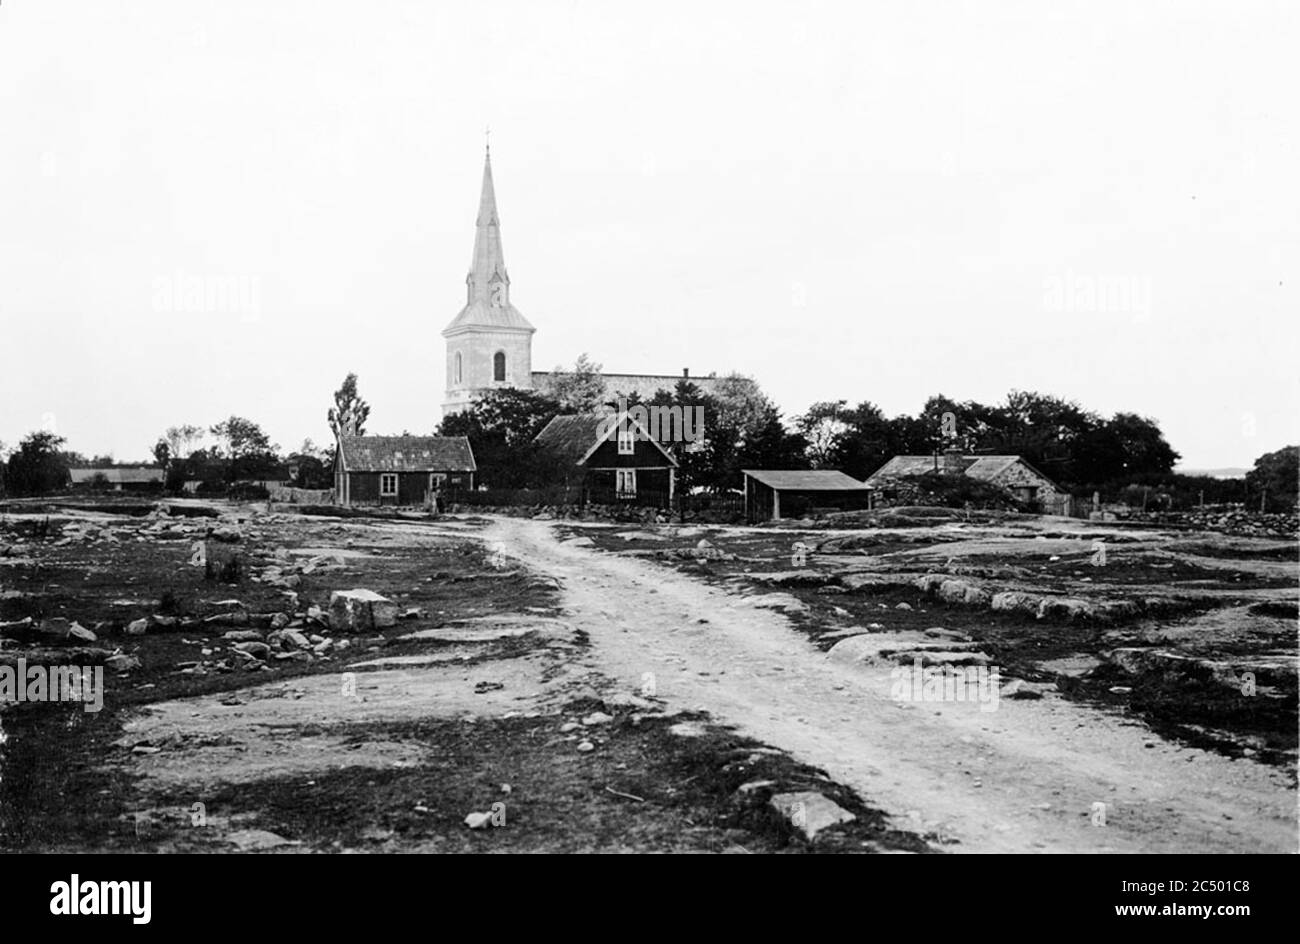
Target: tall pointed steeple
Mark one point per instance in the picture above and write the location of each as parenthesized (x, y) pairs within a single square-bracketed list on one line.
[(489, 344), (487, 296), (489, 262)]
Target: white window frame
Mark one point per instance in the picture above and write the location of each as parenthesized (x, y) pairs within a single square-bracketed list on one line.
[(384, 479), (625, 483), (626, 441)]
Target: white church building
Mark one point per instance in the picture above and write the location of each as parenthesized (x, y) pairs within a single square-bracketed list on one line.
[(490, 343)]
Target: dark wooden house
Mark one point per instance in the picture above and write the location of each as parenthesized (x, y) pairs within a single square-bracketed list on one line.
[(610, 458), (400, 470), (771, 494)]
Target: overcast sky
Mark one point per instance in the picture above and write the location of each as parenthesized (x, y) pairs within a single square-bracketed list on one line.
[(868, 201)]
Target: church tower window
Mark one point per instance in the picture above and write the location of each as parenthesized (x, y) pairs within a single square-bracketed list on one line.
[(499, 366), (459, 373)]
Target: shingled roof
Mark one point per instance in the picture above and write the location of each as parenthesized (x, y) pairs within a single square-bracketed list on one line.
[(806, 480), (407, 454), (574, 437), (984, 468), (117, 476)]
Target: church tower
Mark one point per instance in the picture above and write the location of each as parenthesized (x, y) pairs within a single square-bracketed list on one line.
[(489, 344)]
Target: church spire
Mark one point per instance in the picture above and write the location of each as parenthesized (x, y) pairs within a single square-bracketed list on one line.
[(488, 268), (487, 302)]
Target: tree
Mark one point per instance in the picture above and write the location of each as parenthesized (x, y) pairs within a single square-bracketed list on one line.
[(183, 440), (162, 454), (1275, 479), (501, 426), (37, 466), (581, 390), (348, 415), (246, 448), (824, 427)]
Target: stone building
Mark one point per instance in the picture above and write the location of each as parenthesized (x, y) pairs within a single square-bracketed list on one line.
[(1013, 473)]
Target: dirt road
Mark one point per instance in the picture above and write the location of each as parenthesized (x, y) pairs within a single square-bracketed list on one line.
[(1026, 777)]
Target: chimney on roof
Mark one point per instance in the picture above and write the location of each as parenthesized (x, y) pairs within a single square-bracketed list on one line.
[(686, 371), (952, 461)]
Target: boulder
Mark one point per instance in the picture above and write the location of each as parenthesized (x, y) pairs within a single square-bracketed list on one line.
[(291, 637), (243, 635), (962, 591), (929, 583), (809, 812), (1015, 601), (358, 611), (1067, 608)]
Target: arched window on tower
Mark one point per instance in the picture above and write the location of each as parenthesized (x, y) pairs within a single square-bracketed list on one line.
[(499, 365), (459, 373)]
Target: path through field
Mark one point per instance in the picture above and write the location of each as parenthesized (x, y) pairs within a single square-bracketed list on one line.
[(1023, 778)]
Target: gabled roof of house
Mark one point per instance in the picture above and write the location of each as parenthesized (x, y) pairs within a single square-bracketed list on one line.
[(407, 454), (117, 476), (575, 437), (906, 465), (806, 480)]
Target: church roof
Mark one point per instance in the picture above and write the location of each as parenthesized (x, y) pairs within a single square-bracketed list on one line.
[(486, 268), (643, 385)]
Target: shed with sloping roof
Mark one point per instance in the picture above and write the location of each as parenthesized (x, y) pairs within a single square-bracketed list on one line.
[(774, 493), (400, 470)]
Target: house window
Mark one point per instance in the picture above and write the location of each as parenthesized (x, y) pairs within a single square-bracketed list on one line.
[(499, 366), (625, 483), (388, 485), (626, 441), (459, 374)]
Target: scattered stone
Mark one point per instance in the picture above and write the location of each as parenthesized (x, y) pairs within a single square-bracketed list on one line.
[(903, 606), (690, 729), (1019, 689), (1011, 600), (586, 746), (597, 717), (478, 820), (137, 627), (809, 812), (251, 840), (360, 611), (122, 662), (243, 635)]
